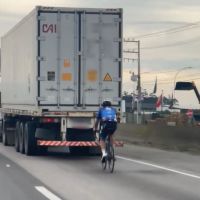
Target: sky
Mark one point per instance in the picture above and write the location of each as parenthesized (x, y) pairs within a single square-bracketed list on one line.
[(169, 33)]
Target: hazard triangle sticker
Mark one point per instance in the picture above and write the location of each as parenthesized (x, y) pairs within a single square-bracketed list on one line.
[(107, 77)]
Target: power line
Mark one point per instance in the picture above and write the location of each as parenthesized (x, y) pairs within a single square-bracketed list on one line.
[(167, 81), (188, 75), (158, 72), (166, 71), (170, 31), (171, 80), (154, 71), (180, 43)]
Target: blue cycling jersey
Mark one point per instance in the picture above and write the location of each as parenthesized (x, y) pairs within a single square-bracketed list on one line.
[(107, 114)]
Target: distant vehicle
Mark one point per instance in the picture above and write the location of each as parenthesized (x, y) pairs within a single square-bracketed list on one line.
[(57, 67)]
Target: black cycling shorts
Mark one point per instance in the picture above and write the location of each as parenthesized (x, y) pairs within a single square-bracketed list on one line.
[(107, 128)]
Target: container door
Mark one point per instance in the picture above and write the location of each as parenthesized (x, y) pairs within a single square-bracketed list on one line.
[(56, 58), (79, 58), (68, 59), (101, 58), (47, 58)]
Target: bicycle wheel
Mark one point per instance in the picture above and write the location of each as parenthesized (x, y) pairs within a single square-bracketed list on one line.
[(111, 158), (104, 164)]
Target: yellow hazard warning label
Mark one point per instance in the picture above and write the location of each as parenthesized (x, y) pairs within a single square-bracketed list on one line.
[(107, 77), (66, 76), (67, 63), (92, 75)]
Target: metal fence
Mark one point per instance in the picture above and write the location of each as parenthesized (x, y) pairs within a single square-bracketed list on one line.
[(131, 117)]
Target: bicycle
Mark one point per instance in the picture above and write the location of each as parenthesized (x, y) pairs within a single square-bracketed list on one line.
[(110, 158)]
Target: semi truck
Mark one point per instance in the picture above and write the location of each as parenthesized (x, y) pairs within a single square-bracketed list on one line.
[(57, 66)]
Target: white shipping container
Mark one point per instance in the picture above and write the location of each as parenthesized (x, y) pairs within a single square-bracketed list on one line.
[(63, 59)]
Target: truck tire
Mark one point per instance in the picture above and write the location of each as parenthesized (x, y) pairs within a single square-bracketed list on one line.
[(17, 136), (4, 133), (21, 138), (30, 142), (1, 129), (4, 139), (8, 132)]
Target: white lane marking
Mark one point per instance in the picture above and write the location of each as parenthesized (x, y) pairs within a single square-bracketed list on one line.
[(7, 165), (47, 193), (159, 167)]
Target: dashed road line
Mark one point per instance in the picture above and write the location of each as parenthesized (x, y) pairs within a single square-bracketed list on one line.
[(47, 193), (7, 165), (159, 167)]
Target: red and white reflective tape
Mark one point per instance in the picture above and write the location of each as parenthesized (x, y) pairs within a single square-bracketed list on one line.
[(74, 143), (67, 143)]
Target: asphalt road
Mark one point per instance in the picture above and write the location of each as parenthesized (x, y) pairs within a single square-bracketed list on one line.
[(16, 183), (140, 174)]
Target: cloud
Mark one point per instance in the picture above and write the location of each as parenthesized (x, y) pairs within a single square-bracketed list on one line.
[(22, 7)]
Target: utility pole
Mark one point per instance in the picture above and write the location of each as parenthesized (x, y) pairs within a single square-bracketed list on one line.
[(137, 43), (139, 120)]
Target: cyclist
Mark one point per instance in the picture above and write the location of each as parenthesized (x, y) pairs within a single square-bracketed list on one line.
[(107, 118)]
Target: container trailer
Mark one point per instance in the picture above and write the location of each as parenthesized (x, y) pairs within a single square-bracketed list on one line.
[(57, 66)]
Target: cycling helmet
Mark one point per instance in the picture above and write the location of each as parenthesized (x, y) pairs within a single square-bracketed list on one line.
[(106, 103)]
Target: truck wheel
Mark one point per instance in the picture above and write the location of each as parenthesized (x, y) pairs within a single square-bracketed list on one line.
[(8, 132), (1, 129), (4, 139), (17, 131), (4, 134), (21, 138), (29, 138)]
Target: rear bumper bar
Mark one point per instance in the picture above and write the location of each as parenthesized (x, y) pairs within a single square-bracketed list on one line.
[(73, 143)]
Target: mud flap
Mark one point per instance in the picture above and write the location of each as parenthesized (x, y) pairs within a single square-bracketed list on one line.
[(80, 135)]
